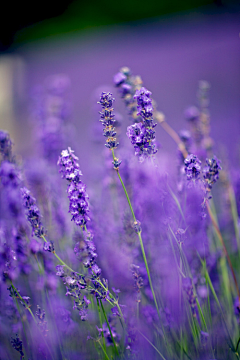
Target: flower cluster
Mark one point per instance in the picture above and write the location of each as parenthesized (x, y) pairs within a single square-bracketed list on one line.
[(127, 85), (138, 280), (107, 334), (78, 198), (107, 119), (211, 172), (192, 167), (142, 135), (17, 345), (33, 213), (42, 323), (75, 284), (5, 146)]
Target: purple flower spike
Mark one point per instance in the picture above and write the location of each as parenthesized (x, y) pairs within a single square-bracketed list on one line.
[(78, 198), (5, 146), (32, 212), (17, 345), (211, 171), (142, 135), (192, 167), (107, 119), (145, 107), (68, 163)]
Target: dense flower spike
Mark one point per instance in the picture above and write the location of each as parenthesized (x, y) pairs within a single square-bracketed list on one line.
[(5, 146), (17, 345), (107, 119), (42, 323), (192, 167), (33, 213), (78, 198), (127, 85), (138, 281), (211, 171), (142, 135)]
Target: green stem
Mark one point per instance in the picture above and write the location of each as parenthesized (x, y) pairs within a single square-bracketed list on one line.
[(100, 319), (234, 214), (105, 315), (152, 345), (142, 246), (103, 350)]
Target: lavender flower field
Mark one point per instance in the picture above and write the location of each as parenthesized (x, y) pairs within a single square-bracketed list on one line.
[(141, 260)]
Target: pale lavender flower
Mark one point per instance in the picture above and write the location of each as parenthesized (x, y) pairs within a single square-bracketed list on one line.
[(142, 135), (78, 198), (192, 167)]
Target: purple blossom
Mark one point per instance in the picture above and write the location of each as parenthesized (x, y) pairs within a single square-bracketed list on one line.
[(60, 270), (5, 146), (127, 85), (211, 171), (48, 246), (42, 323), (33, 213), (142, 135), (9, 174), (107, 119), (17, 345), (192, 167), (78, 198), (68, 163)]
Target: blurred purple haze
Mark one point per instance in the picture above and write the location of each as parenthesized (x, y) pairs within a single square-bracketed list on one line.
[(170, 54)]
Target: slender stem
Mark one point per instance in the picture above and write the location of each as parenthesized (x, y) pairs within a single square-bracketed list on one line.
[(103, 350), (100, 319), (104, 313), (148, 272), (234, 213), (237, 344), (141, 244), (152, 345), (24, 330), (224, 247)]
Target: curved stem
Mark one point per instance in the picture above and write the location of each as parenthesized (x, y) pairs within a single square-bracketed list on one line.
[(215, 225), (141, 244), (100, 319)]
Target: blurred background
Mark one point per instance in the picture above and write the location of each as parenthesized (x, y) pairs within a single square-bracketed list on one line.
[(170, 44)]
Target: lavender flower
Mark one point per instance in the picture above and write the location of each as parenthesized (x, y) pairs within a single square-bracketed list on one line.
[(211, 172), (192, 167), (142, 135), (33, 213), (42, 323), (9, 174), (138, 280), (127, 85), (107, 119), (17, 345), (5, 146), (78, 198)]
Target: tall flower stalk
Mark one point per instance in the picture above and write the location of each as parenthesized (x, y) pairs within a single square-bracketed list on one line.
[(106, 101)]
